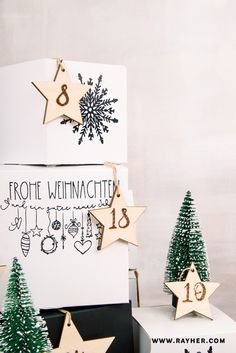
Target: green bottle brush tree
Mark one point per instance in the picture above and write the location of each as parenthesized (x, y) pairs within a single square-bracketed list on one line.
[(186, 246), (21, 329)]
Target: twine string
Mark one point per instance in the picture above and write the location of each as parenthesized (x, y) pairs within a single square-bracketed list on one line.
[(184, 270), (60, 64), (68, 316), (114, 169)]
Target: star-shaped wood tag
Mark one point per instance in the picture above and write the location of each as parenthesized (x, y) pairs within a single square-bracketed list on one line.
[(2, 268), (118, 220), (192, 294), (62, 96), (72, 342)]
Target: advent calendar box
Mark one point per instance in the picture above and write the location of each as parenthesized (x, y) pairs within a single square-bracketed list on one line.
[(156, 331), (96, 322), (25, 140), (45, 223)]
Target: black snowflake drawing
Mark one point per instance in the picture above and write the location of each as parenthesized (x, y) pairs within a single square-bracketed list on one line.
[(96, 110)]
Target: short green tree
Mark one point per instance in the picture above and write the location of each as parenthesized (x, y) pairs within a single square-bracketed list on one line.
[(187, 245), (21, 330)]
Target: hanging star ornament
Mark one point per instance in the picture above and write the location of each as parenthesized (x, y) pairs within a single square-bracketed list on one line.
[(2, 268), (36, 231), (72, 342), (118, 220), (192, 294), (62, 96)]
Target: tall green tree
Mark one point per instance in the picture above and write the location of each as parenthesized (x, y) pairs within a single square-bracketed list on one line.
[(21, 330), (187, 245)]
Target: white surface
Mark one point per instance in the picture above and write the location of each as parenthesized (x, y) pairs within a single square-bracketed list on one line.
[(158, 322), (71, 276), (180, 58), (22, 112)]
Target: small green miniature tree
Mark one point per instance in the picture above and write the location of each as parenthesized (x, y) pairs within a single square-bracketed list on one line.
[(21, 330), (187, 245)]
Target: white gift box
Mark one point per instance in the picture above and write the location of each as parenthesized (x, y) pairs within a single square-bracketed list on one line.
[(155, 330), (45, 223), (25, 140)]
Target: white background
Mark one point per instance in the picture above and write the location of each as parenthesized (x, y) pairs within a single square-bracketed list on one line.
[(181, 61)]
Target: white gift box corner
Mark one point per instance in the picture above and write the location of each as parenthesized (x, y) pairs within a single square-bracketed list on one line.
[(25, 140), (156, 331)]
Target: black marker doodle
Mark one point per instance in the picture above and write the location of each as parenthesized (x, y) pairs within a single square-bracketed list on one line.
[(90, 194), (25, 243), (210, 350), (25, 239), (7, 202), (82, 246), (96, 110), (73, 226), (16, 224), (56, 225), (103, 203), (49, 242), (36, 208), (63, 237), (100, 231), (89, 231), (22, 205), (84, 207), (99, 235), (36, 231), (59, 208)]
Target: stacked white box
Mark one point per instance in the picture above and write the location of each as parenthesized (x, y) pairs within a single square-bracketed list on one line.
[(25, 140), (49, 182)]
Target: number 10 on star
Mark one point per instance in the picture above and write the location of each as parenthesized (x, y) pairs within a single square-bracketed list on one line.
[(192, 294), (198, 291)]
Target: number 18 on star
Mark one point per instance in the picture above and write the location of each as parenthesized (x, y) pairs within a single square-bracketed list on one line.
[(118, 220)]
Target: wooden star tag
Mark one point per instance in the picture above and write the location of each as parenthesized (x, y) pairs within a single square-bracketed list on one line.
[(192, 294), (72, 342), (118, 220), (2, 268), (62, 96)]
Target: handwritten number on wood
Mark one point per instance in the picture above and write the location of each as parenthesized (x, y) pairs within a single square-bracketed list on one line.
[(199, 291), (63, 95), (123, 222)]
